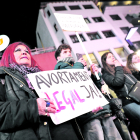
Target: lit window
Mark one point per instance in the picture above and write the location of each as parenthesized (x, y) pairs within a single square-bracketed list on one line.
[(102, 52), (115, 17), (88, 6), (122, 53), (74, 7), (87, 20), (60, 8), (108, 34), (93, 59), (93, 36), (98, 19)]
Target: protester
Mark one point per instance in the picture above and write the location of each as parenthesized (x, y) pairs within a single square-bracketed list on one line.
[(116, 77), (133, 63), (115, 104), (22, 113), (99, 125)]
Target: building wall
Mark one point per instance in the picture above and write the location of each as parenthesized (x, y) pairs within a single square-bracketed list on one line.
[(44, 29), (122, 12), (92, 46)]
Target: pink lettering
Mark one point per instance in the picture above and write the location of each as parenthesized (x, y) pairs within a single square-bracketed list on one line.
[(81, 100), (58, 103), (47, 95), (73, 97), (69, 101)]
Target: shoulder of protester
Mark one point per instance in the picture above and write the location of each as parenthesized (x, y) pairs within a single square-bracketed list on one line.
[(65, 65)]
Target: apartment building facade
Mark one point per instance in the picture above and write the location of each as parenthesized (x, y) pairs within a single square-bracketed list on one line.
[(105, 35)]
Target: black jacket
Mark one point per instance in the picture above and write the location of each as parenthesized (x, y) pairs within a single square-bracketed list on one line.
[(136, 75), (19, 118), (119, 83)]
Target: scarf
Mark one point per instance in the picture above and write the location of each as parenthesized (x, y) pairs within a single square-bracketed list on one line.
[(24, 71), (67, 59)]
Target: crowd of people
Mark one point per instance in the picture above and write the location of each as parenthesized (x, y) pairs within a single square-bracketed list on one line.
[(25, 116)]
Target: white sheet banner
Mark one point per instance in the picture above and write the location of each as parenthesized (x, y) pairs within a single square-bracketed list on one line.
[(72, 91), (71, 22)]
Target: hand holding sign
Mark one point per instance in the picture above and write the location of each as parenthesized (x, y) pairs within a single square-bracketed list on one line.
[(42, 109), (94, 68), (82, 61)]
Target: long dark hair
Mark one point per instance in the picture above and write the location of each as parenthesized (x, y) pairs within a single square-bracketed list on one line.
[(111, 68), (129, 62)]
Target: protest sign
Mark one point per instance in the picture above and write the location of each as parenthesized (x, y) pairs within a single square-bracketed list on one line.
[(72, 91), (71, 22)]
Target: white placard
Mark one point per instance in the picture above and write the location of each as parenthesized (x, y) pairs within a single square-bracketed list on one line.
[(72, 91), (69, 22)]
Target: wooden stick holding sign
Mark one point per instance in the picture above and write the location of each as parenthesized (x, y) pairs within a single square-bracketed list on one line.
[(96, 74), (76, 23)]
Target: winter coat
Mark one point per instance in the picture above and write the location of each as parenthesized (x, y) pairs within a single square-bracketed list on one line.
[(88, 116), (119, 83), (136, 74), (19, 118), (70, 65)]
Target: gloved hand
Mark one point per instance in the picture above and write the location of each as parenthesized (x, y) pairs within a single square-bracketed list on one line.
[(120, 115), (116, 104)]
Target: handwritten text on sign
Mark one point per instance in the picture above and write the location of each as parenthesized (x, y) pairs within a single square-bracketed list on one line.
[(71, 22), (73, 92)]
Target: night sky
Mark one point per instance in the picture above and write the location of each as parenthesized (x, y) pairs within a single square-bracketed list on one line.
[(18, 20)]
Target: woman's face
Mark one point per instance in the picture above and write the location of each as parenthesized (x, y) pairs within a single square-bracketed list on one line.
[(110, 59), (22, 56), (135, 59)]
